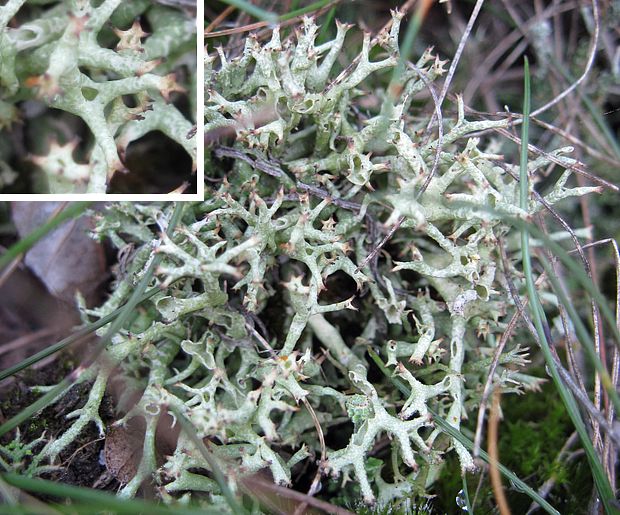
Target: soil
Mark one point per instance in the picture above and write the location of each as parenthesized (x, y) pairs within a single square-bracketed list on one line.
[(80, 462)]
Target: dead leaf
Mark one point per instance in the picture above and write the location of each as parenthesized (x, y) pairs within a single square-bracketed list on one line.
[(66, 260), (122, 453)]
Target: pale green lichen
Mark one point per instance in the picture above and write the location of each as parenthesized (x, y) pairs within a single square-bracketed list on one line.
[(260, 332), (64, 55)]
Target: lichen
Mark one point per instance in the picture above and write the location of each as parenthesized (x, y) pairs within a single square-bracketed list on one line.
[(267, 305)]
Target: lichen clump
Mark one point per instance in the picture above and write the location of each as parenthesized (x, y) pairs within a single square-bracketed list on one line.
[(261, 332), (95, 61)]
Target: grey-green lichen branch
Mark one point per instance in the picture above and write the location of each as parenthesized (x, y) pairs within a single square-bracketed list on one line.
[(267, 305), (94, 60)]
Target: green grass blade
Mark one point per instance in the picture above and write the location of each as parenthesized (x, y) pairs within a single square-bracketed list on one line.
[(594, 111), (134, 300), (327, 23), (119, 321), (524, 182), (315, 6), (582, 334), (577, 273), (95, 498), (466, 495), (79, 334), (72, 211), (36, 406), (413, 28), (467, 443), (575, 268), (600, 479), (253, 10), (190, 431)]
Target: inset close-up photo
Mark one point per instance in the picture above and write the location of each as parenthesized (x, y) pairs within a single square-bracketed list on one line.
[(98, 96)]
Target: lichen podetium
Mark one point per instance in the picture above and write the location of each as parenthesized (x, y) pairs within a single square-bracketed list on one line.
[(266, 311), (95, 61)]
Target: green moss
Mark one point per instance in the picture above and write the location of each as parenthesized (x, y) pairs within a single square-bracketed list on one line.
[(38, 425), (534, 429)]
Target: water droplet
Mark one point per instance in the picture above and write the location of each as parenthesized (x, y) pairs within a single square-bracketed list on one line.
[(460, 501)]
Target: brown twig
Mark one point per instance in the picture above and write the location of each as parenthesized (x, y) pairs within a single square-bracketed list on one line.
[(590, 62), (488, 63), (577, 167), (8, 270), (591, 53), (220, 18), (26, 340), (494, 474), (576, 141), (596, 437), (316, 482), (253, 483), (459, 50), (271, 168), (610, 455), (439, 146), (382, 243), (488, 386), (595, 413), (260, 24), (374, 252), (69, 460)]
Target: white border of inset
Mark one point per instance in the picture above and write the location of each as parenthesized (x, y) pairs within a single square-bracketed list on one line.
[(200, 147), (200, 99)]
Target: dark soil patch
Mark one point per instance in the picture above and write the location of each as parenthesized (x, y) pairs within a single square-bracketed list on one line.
[(79, 464)]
